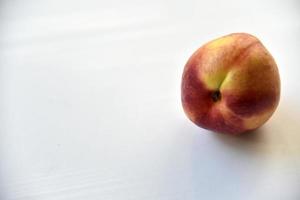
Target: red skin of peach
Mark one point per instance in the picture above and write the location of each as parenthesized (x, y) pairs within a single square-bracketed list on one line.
[(247, 99)]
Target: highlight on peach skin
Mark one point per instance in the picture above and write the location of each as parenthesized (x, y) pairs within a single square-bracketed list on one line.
[(230, 85)]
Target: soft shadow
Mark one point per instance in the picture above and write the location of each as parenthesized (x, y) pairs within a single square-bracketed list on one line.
[(248, 143), (252, 137)]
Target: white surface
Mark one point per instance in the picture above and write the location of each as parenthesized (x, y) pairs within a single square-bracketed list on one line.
[(90, 102)]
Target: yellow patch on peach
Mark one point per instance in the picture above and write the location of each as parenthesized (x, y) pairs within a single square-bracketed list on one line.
[(257, 120), (232, 77), (215, 44), (213, 81), (215, 54), (213, 77)]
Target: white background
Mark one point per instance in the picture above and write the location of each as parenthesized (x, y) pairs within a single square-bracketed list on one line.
[(90, 102)]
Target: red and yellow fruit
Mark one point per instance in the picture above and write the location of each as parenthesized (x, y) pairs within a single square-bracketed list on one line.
[(230, 85)]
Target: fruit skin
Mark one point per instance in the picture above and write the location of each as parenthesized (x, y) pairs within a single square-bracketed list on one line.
[(230, 85)]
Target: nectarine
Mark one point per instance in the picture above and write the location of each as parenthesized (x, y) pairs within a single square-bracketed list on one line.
[(230, 85)]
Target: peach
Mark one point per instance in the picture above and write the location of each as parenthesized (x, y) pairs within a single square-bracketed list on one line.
[(230, 85)]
